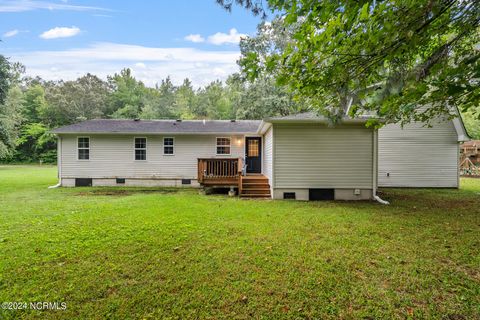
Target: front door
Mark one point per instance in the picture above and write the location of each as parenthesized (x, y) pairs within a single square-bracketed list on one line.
[(253, 154)]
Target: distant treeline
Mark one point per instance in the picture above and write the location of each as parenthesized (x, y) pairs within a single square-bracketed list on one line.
[(31, 107)]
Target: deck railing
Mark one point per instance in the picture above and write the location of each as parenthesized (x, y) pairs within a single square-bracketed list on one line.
[(219, 171), (470, 172), (469, 169), (470, 150)]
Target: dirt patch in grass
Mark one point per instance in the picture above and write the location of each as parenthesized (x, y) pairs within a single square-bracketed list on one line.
[(427, 200), (123, 192)]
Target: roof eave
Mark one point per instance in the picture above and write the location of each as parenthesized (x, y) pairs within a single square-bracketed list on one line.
[(155, 133), (345, 121), (263, 127), (462, 134)]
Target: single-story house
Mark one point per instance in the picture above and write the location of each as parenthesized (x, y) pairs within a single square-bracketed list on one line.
[(295, 157), (420, 156)]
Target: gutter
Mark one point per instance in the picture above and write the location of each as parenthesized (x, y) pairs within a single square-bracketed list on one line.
[(346, 121), (154, 133)]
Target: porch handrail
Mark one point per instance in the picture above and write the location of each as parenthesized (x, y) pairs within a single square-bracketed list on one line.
[(469, 169), (215, 168)]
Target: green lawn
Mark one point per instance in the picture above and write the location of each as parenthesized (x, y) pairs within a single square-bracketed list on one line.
[(165, 253)]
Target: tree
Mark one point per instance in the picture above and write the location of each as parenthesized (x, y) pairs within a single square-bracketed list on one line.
[(11, 99), (36, 143), (126, 100), (262, 98), (159, 102), (10, 120), (402, 60), (185, 100), (271, 38), (34, 103), (213, 102), (472, 123), (4, 78), (72, 101)]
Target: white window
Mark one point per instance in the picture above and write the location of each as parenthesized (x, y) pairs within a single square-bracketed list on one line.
[(223, 146), (140, 148), (83, 144), (168, 145)]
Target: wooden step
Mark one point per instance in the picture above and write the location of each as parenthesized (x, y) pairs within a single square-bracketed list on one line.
[(256, 186), (256, 191), (260, 195), (265, 188), (255, 183), (249, 178), (259, 187)]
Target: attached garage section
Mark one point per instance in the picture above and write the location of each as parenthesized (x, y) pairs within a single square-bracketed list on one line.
[(319, 162), (418, 156)]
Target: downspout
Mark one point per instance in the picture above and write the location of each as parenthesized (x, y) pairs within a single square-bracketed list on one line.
[(375, 169), (59, 184), (272, 184), (59, 164)]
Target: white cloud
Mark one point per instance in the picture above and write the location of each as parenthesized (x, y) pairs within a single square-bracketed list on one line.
[(60, 32), (219, 38), (11, 33), (29, 5), (149, 64), (196, 38)]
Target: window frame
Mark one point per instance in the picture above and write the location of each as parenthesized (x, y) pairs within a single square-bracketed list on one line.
[(135, 149), (229, 146), (83, 148), (259, 147), (173, 146)]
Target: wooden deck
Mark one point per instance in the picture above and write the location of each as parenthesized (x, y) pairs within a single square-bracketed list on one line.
[(219, 172), (227, 172), (470, 159)]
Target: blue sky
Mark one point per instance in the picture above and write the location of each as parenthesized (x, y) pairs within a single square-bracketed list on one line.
[(64, 39)]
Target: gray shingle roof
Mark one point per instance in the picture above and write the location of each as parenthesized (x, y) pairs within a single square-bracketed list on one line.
[(311, 115), (161, 126), (300, 116)]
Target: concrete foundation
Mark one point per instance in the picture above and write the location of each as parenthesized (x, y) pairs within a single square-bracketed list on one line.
[(111, 182), (340, 194)]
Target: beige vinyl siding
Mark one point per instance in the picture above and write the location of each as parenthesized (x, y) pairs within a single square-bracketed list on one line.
[(418, 156), (318, 156), (113, 156), (268, 154)]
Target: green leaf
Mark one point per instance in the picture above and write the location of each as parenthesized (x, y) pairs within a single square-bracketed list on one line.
[(364, 11)]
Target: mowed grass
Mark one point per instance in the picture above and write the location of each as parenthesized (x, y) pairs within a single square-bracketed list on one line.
[(145, 253)]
